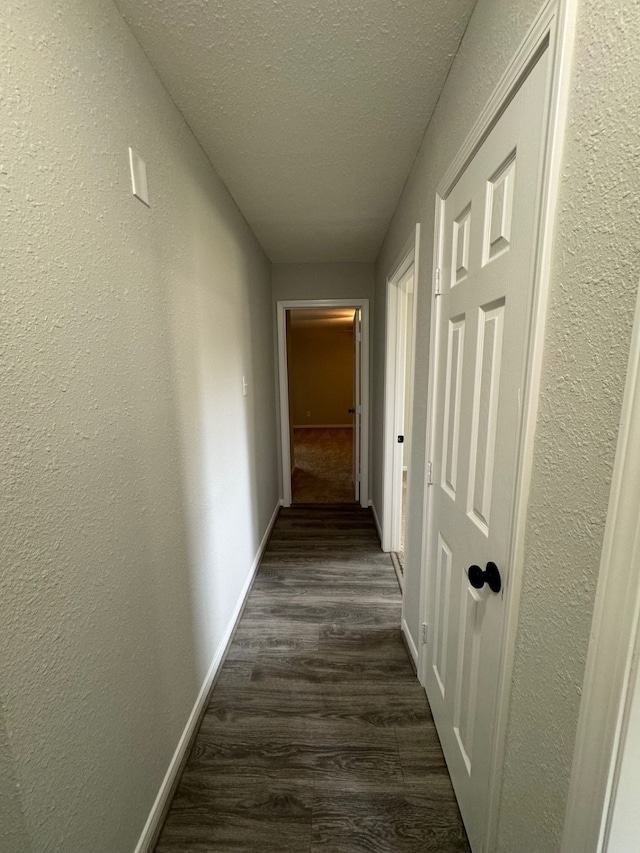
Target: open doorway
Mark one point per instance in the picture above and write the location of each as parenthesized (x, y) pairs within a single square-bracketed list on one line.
[(320, 364), (323, 381)]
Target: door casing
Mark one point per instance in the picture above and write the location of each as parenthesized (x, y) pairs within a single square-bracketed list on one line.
[(553, 29), (282, 306), (394, 356)]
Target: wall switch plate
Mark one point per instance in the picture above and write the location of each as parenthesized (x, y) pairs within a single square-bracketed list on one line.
[(139, 177), (245, 385)]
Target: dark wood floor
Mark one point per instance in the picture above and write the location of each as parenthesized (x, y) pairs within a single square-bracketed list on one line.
[(318, 736)]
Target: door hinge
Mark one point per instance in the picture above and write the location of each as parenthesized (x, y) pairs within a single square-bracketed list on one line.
[(425, 633), (429, 473), (358, 336), (438, 287)]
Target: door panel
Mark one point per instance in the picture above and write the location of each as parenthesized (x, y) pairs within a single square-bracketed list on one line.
[(488, 231), (453, 385), (441, 613), (485, 412)]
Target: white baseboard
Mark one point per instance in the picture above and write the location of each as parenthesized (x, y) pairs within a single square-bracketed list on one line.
[(322, 426), (411, 646), (159, 809), (376, 519), (397, 569)]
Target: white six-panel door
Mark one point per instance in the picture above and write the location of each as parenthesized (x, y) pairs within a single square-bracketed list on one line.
[(487, 240)]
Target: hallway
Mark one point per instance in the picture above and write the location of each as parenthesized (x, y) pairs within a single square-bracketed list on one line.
[(175, 178), (317, 735)]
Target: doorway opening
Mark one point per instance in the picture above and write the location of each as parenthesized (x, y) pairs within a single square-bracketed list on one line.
[(320, 364), (323, 381)]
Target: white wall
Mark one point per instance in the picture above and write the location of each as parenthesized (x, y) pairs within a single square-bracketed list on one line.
[(137, 479), (595, 273), (322, 281)]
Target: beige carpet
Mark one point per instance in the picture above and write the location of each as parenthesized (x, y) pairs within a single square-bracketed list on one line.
[(323, 460)]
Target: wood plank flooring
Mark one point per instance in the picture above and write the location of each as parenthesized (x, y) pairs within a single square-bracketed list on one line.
[(318, 736)]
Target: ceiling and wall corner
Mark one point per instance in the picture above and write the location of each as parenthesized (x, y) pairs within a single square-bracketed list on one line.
[(311, 113)]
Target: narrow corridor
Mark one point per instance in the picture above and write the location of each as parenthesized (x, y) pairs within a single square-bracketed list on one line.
[(317, 735)]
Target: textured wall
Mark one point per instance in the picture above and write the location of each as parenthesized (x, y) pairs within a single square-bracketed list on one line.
[(131, 460), (595, 275), (596, 269), (13, 829)]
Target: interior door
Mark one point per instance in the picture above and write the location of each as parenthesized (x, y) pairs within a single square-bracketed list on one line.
[(488, 232), (357, 401)]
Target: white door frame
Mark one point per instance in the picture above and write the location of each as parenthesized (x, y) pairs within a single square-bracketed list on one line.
[(553, 29), (282, 306), (393, 401), (356, 461), (612, 660)]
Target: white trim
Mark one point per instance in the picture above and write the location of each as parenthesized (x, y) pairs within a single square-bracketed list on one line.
[(615, 639), (411, 646), (391, 511), (376, 519), (525, 56), (397, 568), (282, 306), (553, 29), (155, 820)]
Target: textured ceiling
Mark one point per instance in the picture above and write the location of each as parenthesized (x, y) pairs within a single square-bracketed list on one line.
[(311, 111)]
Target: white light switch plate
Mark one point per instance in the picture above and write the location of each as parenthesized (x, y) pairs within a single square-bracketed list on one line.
[(139, 177)]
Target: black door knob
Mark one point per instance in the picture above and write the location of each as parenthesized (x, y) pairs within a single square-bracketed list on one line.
[(490, 576), (352, 411)]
